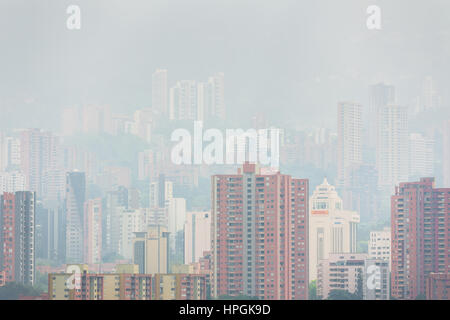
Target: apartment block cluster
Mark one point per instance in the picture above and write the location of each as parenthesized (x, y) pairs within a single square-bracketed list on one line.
[(133, 232)]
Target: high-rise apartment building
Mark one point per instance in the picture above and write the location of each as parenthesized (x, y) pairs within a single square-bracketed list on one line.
[(420, 220), (96, 119), (17, 236), (380, 245), (39, 156), (430, 97), (160, 93), (93, 231), (331, 228), (74, 208), (116, 201), (438, 285), (259, 235), (446, 153), (392, 146), (130, 222), (12, 182), (211, 98), (151, 250), (349, 148), (176, 214), (183, 101)]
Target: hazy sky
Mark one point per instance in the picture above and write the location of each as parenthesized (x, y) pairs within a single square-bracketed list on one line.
[(291, 59)]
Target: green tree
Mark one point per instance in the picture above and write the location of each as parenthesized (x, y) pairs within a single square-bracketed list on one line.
[(12, 291)]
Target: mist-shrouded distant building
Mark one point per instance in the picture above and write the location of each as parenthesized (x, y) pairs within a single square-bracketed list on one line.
[(331, 228), (93, 231), (74, 209), (421, 156), (362, 194), (340, 271), (349, 145), (211, 98), (446, 153), (96, 119), (151, 250), (17, 237), (202, 101), (392, 146), (160, 93), (437, 286), (143, 120), (197, 235), (70, 121), (116, 201), (420, 238), (161, 191), (259, 235), (355, 273)]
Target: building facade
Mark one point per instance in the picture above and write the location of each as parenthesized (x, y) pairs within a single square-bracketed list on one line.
[(128, 286), (420, 244), (259, 235), (380, 245), (93, 231), (331, 228), (197, 235), (349, 145), (151, 250), (74, 208), (17, 237)]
